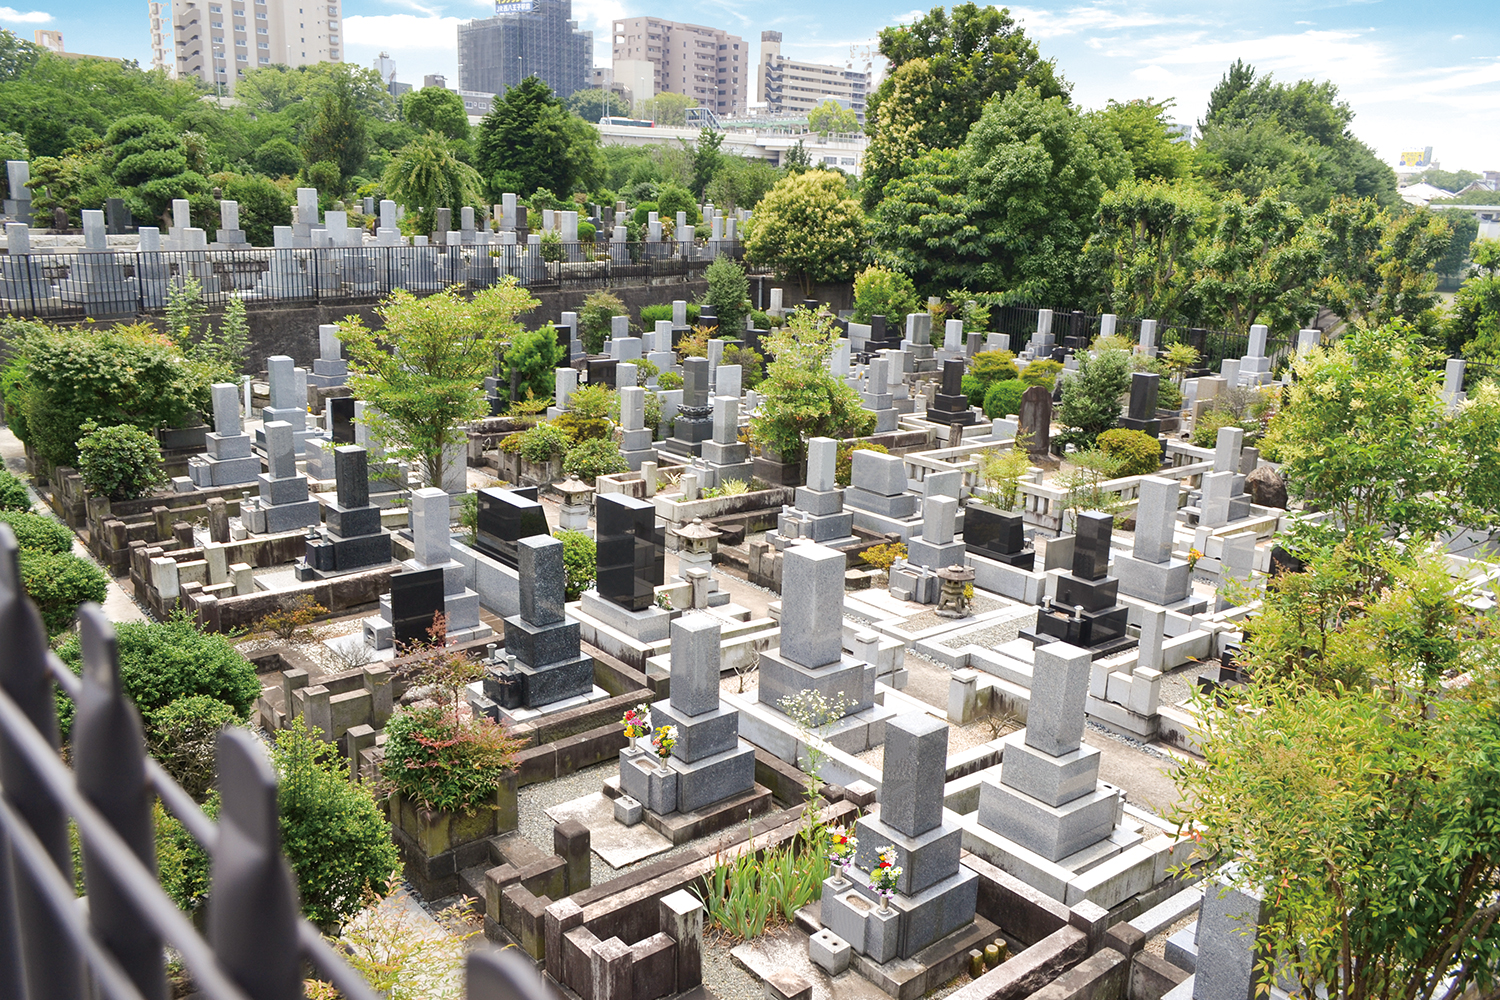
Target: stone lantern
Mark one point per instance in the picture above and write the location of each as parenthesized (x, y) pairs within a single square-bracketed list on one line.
[(577, 496)]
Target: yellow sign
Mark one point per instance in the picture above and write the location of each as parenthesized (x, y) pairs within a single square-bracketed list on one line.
[(1416, 157)]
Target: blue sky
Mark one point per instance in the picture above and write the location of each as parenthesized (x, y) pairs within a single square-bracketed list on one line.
[(1415, 75)]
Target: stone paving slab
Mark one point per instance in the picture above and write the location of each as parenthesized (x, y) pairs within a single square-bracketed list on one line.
[(617, 844)]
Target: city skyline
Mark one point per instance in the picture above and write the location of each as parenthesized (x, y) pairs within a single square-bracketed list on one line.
[(1413, 80)]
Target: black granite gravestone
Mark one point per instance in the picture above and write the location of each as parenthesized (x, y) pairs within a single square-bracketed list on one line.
[(504, 518), (694, 421), (416, 595), (342, 410), (1142, 414), (1085, 608), (950, 406), (631, 551), (600, 371), (994, 535)]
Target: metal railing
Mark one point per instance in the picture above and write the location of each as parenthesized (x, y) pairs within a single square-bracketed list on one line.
[(112, 284), (51, 948)]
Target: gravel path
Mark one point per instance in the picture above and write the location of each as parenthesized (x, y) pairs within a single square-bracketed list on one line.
[(989, 638)]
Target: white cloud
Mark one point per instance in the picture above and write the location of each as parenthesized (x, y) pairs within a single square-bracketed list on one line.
[(907, 18), (13, 16), (1455, 38), (396, 32), (1041, 23), (1153, 74)]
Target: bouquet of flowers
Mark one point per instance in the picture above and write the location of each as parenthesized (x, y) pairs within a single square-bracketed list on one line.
[(637, 722), (841, 846), (885, 874), (663, 740)]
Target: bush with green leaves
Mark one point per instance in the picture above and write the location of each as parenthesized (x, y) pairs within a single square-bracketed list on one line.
[(587, 460), (38, 532), (1042, 372), (752, 364), (1139, 453), (594, 319), (994, 366), (335, 837), (580, 562), (1090, 402), (651, 315), (974, 389), (539, 444), (586, 231), (879, 291), (552, 247), (445, 763), (58, 583), (1003, 399), (163, 661), (531, 358), (13, 495), (728, 293), (181, 862), (120, 462), (123, 375), (182, 736), (669, 380)]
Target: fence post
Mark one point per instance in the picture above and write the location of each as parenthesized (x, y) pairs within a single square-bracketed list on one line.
[(109, 756), (252, 913), (52, 966)]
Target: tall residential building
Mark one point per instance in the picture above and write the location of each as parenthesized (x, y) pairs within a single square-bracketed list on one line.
[(791, 87), (219, 41), (706, 63), (525, 38)]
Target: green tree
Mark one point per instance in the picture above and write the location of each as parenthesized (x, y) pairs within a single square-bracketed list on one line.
[(796, 159), (120, 462), (436, 109), (529, 140), (1358, 410), (667, 109), (741, 182), (800, 396), (419, 370), (594, 319), (808, 228), (427, 175), (151, 164), (592, 105), (910, 98), (334, 835), (263, 207), (1090, 401), (1011, 209), (879, 291), (1258, 264), (972, 54), (16, 56), (706, 158), (831, 116), (1378, 264), (1145, 244), (1465, 228), (1145, 131), (1474, 325), (278, 158), (1259, 134), (531, 360), (1365, 813), (728, 293), (337, 132)]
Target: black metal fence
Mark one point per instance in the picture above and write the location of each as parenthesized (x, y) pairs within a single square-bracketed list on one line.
[(115, 284), (1213, 346), (51, 948)]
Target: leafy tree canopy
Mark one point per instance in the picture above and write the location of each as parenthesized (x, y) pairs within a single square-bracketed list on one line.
[(808, 228), (436, 109), (529, 141)]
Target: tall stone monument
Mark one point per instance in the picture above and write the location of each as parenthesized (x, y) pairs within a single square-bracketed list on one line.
[(228, 460)]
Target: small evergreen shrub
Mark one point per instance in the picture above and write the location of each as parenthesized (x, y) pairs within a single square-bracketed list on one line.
[(444, 763), (38, 532), (1138, 452), (994, 366), (544, 442), (651, 315), (58, 583), (728, 293), (13, 495), (580, 562), (1042, 373), (182, 734), (1004, 398), (595, 457), (121, 462)]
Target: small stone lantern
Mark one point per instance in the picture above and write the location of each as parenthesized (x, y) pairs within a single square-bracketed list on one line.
[(951, 600), (577, 496), (696, 543)]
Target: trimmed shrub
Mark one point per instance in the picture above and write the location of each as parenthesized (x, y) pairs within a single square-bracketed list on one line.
[(580, 558), (38, 532), (163, 661), (651, 315), (58, 583), (994, 366), (595, 457), (728, 293), (13, 495), (879, 291), (1139, 452), (586, 231), (182, 735), (539, 444), (120, 462), (1042, 373), (975, 388), (1004, 398)]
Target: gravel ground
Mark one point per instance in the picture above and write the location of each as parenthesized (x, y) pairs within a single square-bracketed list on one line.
[(726, 980), (1158, 945), (931, 619), (1177, 685), (989, 638)]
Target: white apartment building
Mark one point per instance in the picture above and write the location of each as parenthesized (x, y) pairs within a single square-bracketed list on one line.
[(219, 41), (787, 86), (708, 64)]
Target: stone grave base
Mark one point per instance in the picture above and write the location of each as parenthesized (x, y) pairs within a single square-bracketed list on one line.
[(619, 845), (786, 948), (514, 716), (902, 978), (679, 828), (650, 633), (1065, 880), (773, 731)]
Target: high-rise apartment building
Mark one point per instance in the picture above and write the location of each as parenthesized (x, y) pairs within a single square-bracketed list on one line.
[(791, 87), (525, 38), (705, 63), (219, 41)]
